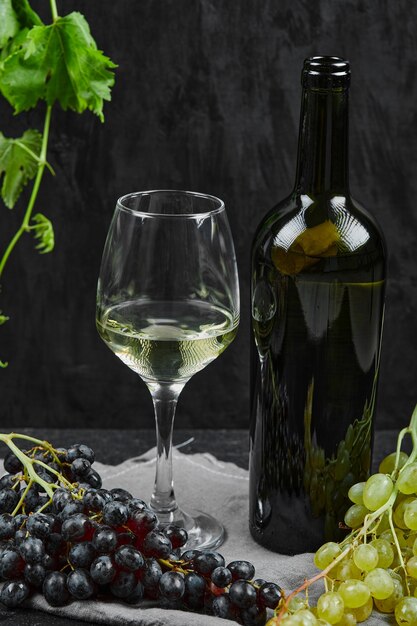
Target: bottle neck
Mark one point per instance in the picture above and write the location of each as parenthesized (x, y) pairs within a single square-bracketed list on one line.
[(322, 163)]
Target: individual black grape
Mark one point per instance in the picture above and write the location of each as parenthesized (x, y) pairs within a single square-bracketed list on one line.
[(254, 616), (151, 574), (32, 550), (115, 513), (76, 528), (82, 555), (206, 562), (7, 526), (221, 606), (128, 558), (104, 540), (102, 570), (14, 593), (34, 574), (123, 584), (31, 498), (242, 570), (11, 463), (93, 479), (177, 536), (7, 481), (40, 525), (172, 585), (105, 493), (269, 595), (221, 576), (11, 564), (242, 594), (121, 494), (142, 522), (54, 543), (136, 595), (136, 505), (189, 555), (60, 498), (80, 584), (19, 520), (80, 467), (156, 544), (93, 500), (8, 500), (71, 508), (194, 590), (55, 590)]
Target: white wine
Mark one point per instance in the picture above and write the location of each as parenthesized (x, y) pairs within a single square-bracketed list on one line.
[(166, 341)]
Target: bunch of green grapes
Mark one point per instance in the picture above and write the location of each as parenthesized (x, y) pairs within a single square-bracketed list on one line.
[(375, 566)]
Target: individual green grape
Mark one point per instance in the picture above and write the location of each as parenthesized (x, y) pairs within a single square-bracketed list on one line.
[(330, 606), (305, 618), (355, 515), (347, 569), (414, 548), (388, 536), (377, 491), (407, 479), (363, 612), (411, 567), (388, 604), (406, 612), (326, 554), (365, 557), (387, 465), (380, 583), (385, 552), (354, 593), (410, 515), (399, 512), (297, 603), (355, 493), (411, 539), (407, 553), (348, 619)]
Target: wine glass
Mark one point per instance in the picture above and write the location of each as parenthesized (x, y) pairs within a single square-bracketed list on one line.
[(168, 305)]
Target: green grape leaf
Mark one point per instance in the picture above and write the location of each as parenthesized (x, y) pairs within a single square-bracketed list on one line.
[(18, 163), (25, 14), (44, 231), (59, 62), (3, 318), (9, 24), (3, 364)]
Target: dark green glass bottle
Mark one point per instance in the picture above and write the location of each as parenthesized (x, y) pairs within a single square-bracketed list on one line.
[(317, 296)]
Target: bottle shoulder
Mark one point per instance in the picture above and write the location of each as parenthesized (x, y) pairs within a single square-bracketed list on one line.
[(327, 225)]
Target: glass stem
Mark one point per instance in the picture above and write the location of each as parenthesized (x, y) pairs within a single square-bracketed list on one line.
[(165, 397)]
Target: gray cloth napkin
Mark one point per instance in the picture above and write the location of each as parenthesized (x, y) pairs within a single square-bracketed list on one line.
[(220, 488)]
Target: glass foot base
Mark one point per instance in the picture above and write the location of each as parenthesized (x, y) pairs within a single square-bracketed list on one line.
[(204, 531)]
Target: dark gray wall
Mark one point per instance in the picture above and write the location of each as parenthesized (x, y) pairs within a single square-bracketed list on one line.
[(206, 98)]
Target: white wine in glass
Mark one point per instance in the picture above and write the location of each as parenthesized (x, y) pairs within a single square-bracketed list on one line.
[(168, 305)]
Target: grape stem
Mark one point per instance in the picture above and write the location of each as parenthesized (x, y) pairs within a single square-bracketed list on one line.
[(283, 607)]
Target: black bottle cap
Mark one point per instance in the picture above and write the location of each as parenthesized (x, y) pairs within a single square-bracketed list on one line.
[(326, 72)]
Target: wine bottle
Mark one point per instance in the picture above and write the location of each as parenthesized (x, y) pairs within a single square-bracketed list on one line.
[(317, 299)]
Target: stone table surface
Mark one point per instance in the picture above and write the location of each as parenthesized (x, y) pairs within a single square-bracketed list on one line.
[(114, 446)]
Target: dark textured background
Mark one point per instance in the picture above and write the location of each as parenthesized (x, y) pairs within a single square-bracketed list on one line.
[(206, 98)]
